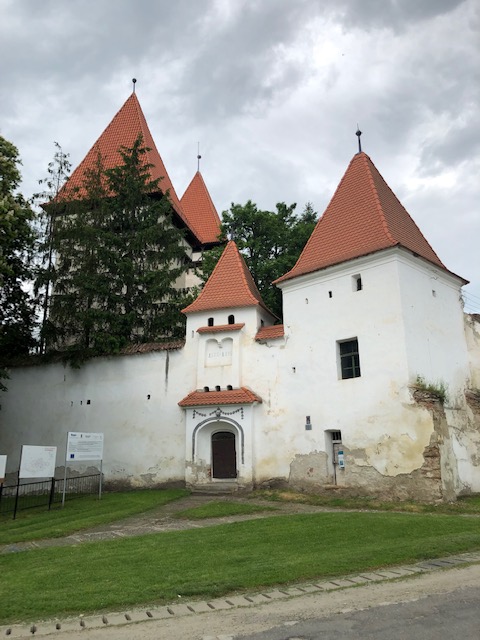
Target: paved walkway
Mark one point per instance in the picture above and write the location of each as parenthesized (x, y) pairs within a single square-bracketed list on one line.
[(164, 519)]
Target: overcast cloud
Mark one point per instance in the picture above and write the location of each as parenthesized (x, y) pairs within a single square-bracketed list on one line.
[(272, 90)]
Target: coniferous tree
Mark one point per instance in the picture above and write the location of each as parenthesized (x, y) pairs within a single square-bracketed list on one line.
[(119, 257), (50, 210), (17, 240)]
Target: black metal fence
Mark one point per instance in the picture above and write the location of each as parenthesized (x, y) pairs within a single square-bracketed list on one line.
[(46, 493)]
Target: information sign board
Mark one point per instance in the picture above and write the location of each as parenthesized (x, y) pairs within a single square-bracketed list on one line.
[(37, 462), (84, 446), (3, 467)]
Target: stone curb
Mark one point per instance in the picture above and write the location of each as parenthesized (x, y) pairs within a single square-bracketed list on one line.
[(180, 609)]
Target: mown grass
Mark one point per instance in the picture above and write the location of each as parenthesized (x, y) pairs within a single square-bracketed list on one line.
[(464, 505), (82, 513), (221, 509), (213, 561)]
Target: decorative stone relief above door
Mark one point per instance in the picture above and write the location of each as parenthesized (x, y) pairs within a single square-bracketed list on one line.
[(218, 353)]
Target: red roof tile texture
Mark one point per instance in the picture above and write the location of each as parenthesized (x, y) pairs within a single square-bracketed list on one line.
[(221, 328), (200, 211), (123, 131), (230, 285), (270, 333), (364, 216), (235, 396)]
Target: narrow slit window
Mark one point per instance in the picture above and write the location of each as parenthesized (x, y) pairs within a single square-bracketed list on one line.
[(231, 319), (357, 284), (210, 322)]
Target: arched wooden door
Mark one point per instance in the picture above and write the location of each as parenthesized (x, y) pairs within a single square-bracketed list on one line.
[(224, 455)]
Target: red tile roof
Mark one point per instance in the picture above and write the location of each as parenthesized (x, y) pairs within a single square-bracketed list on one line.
[(200, 211), (230, 285), (270, 333), (364, 216), (221, 327), (123, 130), (234, 396)]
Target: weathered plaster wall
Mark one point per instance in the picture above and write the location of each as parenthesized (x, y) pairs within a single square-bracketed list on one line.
[(434, 326), (472, 333), (395, 445), (132, 400)]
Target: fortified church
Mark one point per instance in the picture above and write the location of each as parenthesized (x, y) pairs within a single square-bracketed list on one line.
[(346, 394)]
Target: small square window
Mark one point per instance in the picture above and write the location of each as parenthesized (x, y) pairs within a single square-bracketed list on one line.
[(349, 359)]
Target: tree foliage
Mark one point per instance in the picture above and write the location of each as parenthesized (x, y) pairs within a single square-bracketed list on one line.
[(17, 241), (270, 241), (50, 209), (118, 256)]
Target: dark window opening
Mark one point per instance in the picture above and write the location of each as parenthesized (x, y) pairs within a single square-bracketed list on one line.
[(357, 282), (217, 388), (330, 294), (349, 359), (210, 322), (231, 319), (206, 388), (229, 387)]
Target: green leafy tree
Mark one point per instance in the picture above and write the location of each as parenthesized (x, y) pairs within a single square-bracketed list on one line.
[(119, 255), (17, 241), (270, 241)]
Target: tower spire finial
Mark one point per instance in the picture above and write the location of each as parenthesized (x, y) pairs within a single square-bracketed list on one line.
[(199, 157), (358, 133), (134, 80)]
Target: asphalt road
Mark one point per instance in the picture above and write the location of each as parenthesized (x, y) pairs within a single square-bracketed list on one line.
[(452, 615)]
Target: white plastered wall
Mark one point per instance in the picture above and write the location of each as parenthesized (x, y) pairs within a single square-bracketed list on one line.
[(132, 400)]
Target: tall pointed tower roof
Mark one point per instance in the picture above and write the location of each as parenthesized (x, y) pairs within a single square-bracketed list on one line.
[(363, 217), (230, 285), (200, 212), (123, 131)]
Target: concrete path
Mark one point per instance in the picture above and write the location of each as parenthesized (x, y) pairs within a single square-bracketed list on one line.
[(164, 519)]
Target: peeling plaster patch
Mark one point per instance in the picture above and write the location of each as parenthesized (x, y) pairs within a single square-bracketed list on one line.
[(393, 456), (311, 468)]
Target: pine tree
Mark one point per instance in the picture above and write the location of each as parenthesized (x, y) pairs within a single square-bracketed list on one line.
[(119, 257), (50, 210)]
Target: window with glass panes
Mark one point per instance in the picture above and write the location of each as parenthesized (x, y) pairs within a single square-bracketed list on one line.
[(349, 359)]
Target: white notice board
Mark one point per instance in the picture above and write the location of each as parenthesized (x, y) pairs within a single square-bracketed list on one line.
[(84, 446), (37, 462), (3, 467)]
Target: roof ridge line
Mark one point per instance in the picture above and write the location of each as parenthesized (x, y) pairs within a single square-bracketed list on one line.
[(377, 200), (243, 266)]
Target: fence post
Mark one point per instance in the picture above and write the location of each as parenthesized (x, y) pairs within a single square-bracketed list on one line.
[(16, 499), (52, 493)]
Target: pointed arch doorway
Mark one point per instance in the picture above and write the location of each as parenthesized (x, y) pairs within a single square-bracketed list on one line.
[(224, 455)]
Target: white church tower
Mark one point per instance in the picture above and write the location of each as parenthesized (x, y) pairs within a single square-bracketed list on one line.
[(370, 310)]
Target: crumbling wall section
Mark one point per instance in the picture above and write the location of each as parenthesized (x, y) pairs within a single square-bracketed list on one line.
[(309, 473)]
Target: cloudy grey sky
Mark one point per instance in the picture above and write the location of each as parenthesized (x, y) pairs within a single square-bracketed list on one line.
[(272, 90)]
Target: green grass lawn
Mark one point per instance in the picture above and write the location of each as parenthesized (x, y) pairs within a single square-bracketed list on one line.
[(82, 513), (221, 509), (214, 561)]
